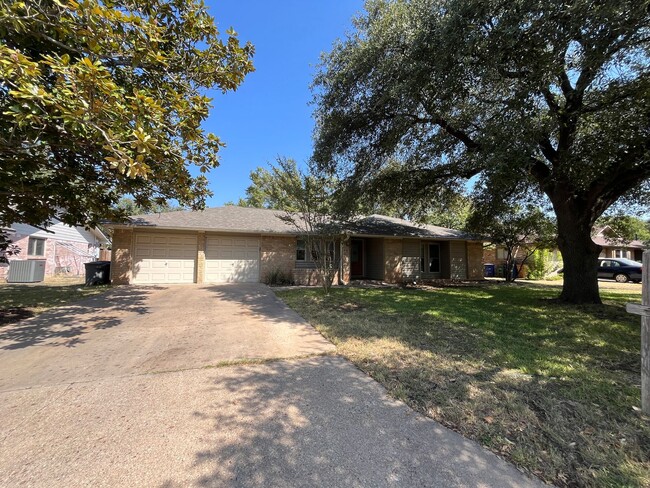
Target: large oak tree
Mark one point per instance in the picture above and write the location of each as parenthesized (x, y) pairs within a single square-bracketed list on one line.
[(105, 98), (526, 99)]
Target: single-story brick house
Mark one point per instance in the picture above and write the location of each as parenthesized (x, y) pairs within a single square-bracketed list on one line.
[(240, 244), (612, 247), (617, 248), (65, 249)]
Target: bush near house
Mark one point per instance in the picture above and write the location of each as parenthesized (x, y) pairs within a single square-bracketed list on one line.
[(540, 265), (553, 388), (278, 277)]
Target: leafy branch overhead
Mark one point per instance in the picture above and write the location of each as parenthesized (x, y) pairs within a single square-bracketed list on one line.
[(100, 99), (525, 100)]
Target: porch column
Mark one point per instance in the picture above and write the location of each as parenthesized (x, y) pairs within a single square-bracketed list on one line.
[(474, 260), (345, 262), (393, 260)]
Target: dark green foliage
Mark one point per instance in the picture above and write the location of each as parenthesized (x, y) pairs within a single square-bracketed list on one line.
[(278, 277), (103, 99), (533, 100)]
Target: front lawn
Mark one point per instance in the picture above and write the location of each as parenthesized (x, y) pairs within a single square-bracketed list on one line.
[(553, 388), (22, 301)]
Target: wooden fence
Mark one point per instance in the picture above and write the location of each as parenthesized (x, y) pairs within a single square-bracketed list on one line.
[(644, 311)]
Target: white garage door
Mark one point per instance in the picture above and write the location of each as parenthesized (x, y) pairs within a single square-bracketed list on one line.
[(232, 259), (164, 258)]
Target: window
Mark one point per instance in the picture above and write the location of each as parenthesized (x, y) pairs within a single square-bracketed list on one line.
[(301, 252), (434, 258), (501, 253), (36, 247), (316, 250)]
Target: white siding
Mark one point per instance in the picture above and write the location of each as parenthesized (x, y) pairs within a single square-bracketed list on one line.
[(59, 231)]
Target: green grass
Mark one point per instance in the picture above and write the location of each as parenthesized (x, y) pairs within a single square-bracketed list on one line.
[(23, 301), (553, 388)]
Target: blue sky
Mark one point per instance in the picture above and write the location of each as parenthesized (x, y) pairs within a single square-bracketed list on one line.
[(269, 115)]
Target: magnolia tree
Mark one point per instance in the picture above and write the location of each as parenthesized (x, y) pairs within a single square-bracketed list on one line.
[(522, 99), (101, 99)]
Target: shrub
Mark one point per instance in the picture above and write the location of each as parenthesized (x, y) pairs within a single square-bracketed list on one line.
[(540, 265), (278, 277)]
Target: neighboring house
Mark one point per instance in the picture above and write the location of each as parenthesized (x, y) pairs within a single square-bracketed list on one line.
[(617, 248), (603, 236), (65, 249), (497, 256), (239, 244)]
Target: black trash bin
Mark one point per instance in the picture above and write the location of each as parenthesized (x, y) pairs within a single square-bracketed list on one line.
[(98, 273)]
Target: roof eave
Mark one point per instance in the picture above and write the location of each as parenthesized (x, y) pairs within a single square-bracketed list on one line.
[(200, 229)]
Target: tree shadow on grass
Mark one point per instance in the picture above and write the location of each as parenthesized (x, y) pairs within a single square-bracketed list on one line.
[(508, 356), (65, 325)]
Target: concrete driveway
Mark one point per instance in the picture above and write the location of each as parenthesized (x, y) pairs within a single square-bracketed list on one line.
[(118, 391), (134, 330)]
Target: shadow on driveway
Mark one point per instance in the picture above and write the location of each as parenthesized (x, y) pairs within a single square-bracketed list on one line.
[(321, 422)]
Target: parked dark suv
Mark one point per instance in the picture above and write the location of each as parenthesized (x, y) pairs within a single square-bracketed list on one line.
[(619, 269)]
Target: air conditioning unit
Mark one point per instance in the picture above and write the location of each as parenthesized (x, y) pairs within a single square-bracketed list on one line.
[(26, 271)]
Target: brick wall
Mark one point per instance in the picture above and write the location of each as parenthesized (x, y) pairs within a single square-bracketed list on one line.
[(61, 257), (474, 260), (121, 258), (200, 258), (310, 277), (490, 255), (277, 253), (393, 260)]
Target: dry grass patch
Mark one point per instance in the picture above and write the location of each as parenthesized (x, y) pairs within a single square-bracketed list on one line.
[(550, 387), (21, 301)]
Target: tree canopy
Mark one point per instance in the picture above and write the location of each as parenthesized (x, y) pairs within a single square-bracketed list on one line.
[(129, 206), (521, 231), (626, 228), (105, 98), (273, 188), (523, 100)]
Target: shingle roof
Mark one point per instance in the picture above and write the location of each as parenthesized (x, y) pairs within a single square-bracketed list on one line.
[(602, 241), (263, 221), (229, 219), (606, 237), (382, 225)]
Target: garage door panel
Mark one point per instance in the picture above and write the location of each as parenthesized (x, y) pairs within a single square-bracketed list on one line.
[(231, 259), (144, 253), (164, 258)]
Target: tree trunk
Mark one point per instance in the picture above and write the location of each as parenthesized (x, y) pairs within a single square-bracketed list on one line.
[(580, 256)]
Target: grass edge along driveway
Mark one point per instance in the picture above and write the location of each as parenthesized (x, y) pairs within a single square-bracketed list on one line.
[(22, 301), (553, 388)]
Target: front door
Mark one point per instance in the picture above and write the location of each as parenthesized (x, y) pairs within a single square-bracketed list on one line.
[(356, 257)]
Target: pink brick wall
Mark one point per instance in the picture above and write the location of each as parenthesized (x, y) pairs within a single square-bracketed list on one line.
[(61, 257)]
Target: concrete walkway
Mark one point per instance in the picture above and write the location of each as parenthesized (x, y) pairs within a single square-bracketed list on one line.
[(143, 416)]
